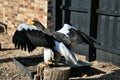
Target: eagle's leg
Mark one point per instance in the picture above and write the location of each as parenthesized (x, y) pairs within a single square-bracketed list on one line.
[(49, 56), (43, 65), (51, 62)]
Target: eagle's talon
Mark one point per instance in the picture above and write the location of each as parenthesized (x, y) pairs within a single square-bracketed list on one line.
[(51, 63), (43, 65)]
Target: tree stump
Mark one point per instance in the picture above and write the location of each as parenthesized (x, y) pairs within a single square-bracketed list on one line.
[(57, 73), (54, 73)]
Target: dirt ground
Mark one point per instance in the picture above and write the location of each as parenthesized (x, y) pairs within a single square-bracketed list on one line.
[(8, 70)]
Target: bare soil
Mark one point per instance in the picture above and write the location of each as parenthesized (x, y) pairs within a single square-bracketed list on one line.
[(8, 70)]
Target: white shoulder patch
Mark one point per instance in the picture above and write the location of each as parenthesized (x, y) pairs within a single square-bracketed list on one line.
[(26, 27), (65, 29)]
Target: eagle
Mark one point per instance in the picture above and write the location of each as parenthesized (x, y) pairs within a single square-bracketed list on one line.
[(32, 35)]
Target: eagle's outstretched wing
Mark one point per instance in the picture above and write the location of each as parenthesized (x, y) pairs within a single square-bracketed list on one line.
[(76, 36), (28, 38)]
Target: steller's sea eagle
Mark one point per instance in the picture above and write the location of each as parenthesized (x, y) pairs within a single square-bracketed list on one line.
[(28, 37)]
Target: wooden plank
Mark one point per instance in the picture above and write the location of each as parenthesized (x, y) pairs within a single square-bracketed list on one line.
[(24, 69), (114, 33), (110, 30), (82, 10), (108, 57), (118, 34), (108, 49), (108, 12), (105, 30), (106, 4)]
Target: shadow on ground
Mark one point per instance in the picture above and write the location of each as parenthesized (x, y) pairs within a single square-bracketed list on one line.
[(115, 75)]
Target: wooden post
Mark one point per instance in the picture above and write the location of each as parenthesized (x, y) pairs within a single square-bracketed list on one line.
[(54, 73), (61, 71), (58, 73)]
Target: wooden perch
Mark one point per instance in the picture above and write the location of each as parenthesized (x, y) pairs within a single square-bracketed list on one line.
[(58, 73), (55, 73), (61, 71)]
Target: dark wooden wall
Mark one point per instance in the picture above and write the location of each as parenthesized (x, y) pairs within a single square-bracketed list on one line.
[(108, 31), (97, 18), (109, 25)]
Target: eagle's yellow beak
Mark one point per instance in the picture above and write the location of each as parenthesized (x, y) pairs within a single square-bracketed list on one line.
[(30, 22)]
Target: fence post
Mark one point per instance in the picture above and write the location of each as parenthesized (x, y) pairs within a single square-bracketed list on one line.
[(93, 29)]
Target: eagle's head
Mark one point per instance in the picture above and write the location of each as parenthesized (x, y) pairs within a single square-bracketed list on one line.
[(37, 24)]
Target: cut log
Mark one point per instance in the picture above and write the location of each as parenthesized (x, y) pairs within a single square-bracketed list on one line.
[(52, 73), (61, 71), (56, 73)]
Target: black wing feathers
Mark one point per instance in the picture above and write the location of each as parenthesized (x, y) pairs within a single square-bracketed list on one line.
[(21, 41), (62, 37), (40, 38), (76, 36), (87, 39), (30, 39)]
